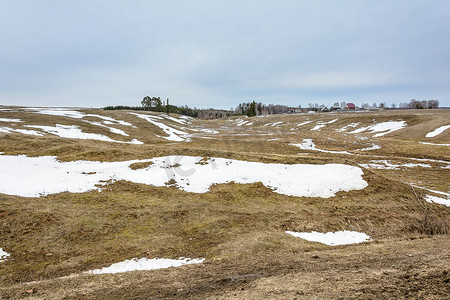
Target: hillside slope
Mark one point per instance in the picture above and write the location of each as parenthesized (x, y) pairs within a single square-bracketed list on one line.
[(82, 189)]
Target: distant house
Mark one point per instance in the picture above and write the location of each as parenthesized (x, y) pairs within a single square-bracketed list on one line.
[(335, 106), (294, 110), (350, 106), (324, 109)]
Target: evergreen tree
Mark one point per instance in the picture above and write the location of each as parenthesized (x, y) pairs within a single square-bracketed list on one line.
[(251, 112)]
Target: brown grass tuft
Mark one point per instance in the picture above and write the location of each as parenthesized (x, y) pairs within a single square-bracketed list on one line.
[(140, 165), (432, 224)]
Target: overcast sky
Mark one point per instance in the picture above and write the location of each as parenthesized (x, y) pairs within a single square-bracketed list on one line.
[(216, 53)]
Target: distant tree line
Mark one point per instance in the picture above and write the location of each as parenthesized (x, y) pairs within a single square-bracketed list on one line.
[(416, 104), (123, 107), (254, 108), (257, 108), (157, 105)]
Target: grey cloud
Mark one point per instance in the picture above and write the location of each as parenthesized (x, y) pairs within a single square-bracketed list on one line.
[(217, 53)]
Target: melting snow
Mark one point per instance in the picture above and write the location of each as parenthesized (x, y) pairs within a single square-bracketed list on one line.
[(428, 159), (346, 127), (322, 124), (308, 144), (187, 118), (439, 200), (431, 199), (112, 129), (173, 134), (333, 238), (241, 122), (34, 176), (434, 144), (276, 123), (386, 165), (209, 130), (3, 255), (437, 131), (10, 120), (73, 132), (383, 128), (76, 115), (373, 147), (146, 264), (317, 127), (23, 131), (182, 121), (303, 123)]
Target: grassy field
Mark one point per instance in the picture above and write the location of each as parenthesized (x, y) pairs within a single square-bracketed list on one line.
[(238, 228)]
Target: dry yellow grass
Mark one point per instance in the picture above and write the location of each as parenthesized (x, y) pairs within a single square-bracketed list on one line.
[(239, 229)]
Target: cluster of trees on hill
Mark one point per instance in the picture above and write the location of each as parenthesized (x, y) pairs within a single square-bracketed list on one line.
[(257, 108), (416, 104), (157, 105)]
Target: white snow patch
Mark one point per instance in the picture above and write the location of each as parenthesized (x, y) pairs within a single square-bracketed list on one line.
[(134, 141), (333, 238), (308, 144), (276, 124), (317, 127), (373, 147), (346, 127), (439, 200), (332, 121), (187, 118), (74, 132), (241, 122), (173, 134), (35, 176), (209, 130), (447, 195), (182, 121), (23, 131), (145, 264), (303, 123), (383, 128), (322, 124), (59, 112), (29, 132), (434, 144), (76, 115), (3, 255), (112, 129), (386, 165), (429, 159), (445, 200), (437, 131), (118, 131), (10, 120)]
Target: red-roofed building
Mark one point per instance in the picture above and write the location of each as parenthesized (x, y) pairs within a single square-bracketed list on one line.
[(351, 106)]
